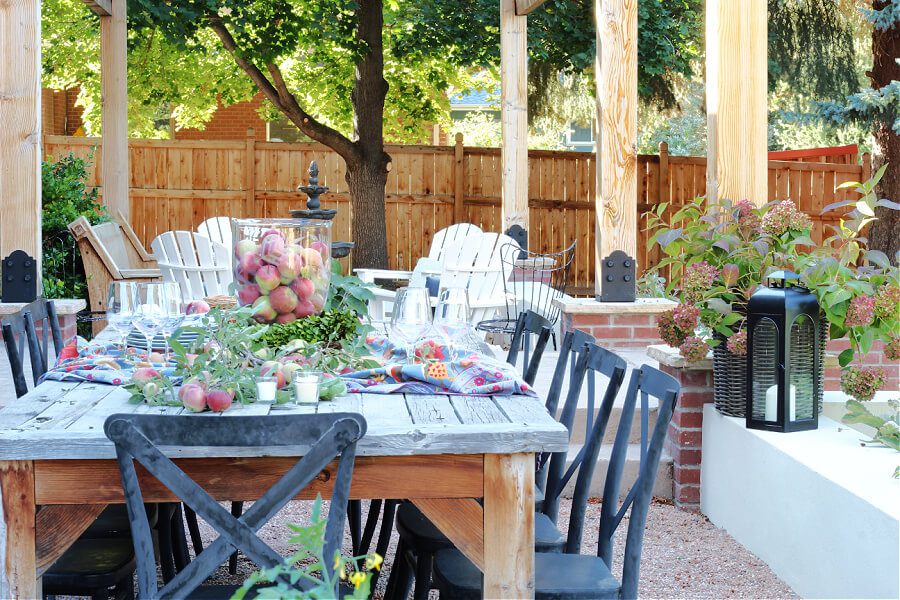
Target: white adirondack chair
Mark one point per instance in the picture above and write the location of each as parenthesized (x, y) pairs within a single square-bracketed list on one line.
[(442, 241), (218, 229), (200, 266)]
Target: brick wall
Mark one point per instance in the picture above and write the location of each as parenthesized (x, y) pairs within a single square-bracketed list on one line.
[(230, 123), (875, 358), (59, 115), (616, 331)]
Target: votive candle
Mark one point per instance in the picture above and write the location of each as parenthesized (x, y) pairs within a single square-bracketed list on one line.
[(306, 388), (266, 388)]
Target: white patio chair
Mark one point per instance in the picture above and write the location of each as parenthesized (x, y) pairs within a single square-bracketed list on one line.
[(442, 241), (200, 266), (218, 229)]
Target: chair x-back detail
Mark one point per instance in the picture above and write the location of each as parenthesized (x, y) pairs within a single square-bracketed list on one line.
[(22, 327), (320, 438), (529, 324)]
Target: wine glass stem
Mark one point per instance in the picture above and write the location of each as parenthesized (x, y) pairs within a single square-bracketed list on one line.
[(149, 345), (411, 354)]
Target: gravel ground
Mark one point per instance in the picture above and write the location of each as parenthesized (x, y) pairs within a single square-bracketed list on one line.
[(684, 555)]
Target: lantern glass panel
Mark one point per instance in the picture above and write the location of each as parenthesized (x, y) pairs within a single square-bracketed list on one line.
[(765, 370), (803, 367)]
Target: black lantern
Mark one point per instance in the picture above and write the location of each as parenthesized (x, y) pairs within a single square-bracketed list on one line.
[(783, 378)]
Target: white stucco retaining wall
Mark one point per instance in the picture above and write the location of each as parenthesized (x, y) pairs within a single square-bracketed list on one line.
[(822, 511)]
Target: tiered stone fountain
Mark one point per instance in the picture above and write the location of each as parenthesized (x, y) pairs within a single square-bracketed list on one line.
[(313, 209)]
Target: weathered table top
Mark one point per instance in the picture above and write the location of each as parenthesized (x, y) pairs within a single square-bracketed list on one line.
[(60, 420)]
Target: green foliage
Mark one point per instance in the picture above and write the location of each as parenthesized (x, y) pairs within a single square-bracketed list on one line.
[(64, 198), (307, 566), (887, 433), (329, 328), (741, 245), (348, 293)]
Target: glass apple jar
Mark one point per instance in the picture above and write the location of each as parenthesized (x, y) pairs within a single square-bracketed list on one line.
[(282, 267)]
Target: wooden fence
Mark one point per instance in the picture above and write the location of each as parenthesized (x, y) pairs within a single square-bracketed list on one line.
[(178, 184)]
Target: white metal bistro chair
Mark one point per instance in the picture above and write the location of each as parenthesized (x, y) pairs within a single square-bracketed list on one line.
[(200, 266)]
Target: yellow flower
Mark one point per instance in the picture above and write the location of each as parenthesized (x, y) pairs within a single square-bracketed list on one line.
[(357, 578), (374, 562), (339, 567)]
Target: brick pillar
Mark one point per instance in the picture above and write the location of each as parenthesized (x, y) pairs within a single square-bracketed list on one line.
[(685, 437)]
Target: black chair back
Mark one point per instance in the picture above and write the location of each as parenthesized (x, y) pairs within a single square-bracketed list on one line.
[(528, 324), (594, 359), (523, 269), (23, 326), (321, 437), (647, 382)]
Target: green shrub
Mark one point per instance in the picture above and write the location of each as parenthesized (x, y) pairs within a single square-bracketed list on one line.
[(64, 198)]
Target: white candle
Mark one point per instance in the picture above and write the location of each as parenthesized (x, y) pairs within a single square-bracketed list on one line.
[(306, 388), (265, 389), (772, 403)]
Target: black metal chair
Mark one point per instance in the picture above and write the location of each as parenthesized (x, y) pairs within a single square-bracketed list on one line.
[(102, 557), (570, 575), (531, 281), (137, 438), (529, 324), (420, 540)]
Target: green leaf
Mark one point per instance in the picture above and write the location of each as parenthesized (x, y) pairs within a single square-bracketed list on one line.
[(845, 357), (863, 207), (719, 305)]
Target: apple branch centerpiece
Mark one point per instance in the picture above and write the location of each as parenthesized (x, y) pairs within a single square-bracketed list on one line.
[(716, 255)]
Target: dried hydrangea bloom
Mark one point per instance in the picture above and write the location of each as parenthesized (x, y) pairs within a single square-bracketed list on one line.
[(861, 312), (693, 349), (784, 216), (698, 277), (862, 382), (887, 303), (737, 343)]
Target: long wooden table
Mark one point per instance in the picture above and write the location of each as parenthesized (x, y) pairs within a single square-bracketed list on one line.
[(440, 452)]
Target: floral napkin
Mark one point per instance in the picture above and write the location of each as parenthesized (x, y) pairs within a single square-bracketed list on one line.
[(83, 361), (440, 370)]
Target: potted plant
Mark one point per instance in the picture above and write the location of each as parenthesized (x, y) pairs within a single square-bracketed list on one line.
[(716, 256)]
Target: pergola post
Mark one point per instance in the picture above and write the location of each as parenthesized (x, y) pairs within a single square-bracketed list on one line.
[(736, 88), (20, 128), (617, 99), (514, 115), (114, 85)]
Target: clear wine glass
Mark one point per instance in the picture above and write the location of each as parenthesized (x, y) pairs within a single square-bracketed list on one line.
[(121, 303), (411, 318), (173, 310), (451, 319), (150, 312)]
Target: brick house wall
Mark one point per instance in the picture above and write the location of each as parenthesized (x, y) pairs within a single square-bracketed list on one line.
[(59, 115), (230, 123)]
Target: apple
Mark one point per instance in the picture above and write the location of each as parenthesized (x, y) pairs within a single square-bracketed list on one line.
[(283, 299), (249, 264), (192, 397), (311, 257), (285, 318), (317, 301), (322, 248), (271, 249), (263, 311), (304, 308), (288, 266), (303, 287), (243, 247), (219, 400), (268, 278), (272, 368), (248, 294), (143, 375), (197, 307)]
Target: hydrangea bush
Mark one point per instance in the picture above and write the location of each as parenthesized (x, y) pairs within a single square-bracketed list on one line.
[(716, 256)]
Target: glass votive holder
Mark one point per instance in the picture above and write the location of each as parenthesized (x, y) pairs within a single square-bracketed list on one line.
[(306, 386), (266, 388)]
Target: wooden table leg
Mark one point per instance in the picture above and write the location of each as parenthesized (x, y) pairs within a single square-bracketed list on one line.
[(509, 525), (18, 576)]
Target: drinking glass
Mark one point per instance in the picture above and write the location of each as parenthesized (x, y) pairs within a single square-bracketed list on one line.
[(451, 319), (453, 307), (121, 303), (150, 312), (411, 318), (173, 310)]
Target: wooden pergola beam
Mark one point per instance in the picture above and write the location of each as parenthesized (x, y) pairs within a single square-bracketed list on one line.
[(20, 133), (617, 100), (736, 98), (514, 115), (523, 7), (114, 113), (100, 7)]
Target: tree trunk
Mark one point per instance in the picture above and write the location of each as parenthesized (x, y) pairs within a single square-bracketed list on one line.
[(366, 183), (885, 232), (367, 175)]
